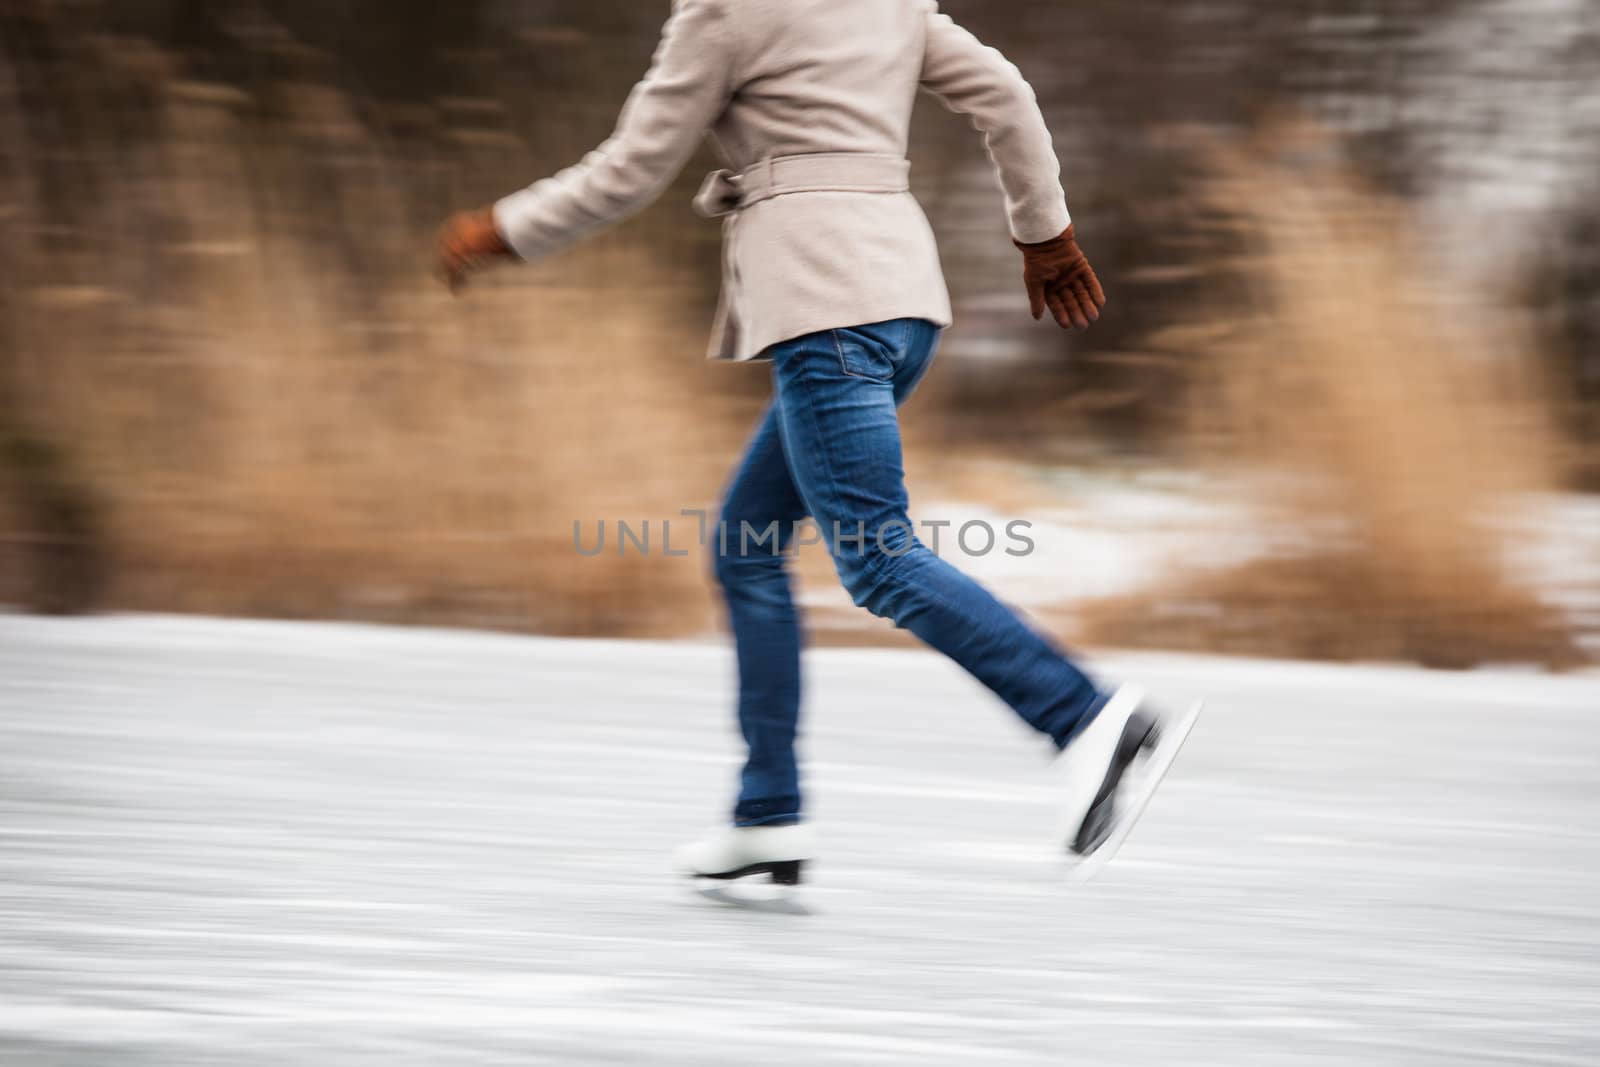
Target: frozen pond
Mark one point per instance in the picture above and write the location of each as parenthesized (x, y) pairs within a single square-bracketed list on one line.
[(310, 845)]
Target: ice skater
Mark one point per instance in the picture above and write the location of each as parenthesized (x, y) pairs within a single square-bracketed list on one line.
[(831, 275)]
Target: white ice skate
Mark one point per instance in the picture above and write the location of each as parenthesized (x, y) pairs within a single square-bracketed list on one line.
[(732, 853), (1101, 799)]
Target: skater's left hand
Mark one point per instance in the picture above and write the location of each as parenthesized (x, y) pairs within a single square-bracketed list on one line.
[(1058, 276), (468, 241)]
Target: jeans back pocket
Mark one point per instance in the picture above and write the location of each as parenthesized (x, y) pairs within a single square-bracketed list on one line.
[(874, 351)]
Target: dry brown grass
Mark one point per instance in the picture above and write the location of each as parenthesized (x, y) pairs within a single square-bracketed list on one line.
[(281, 414), (437, 482), (1397, 421)]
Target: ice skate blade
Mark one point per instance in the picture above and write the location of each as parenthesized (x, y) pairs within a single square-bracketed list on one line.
[(770, 899), (782, 872), (1132, 807)]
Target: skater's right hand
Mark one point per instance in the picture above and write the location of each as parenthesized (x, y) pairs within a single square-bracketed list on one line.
[(1058, 277), (467, 241)]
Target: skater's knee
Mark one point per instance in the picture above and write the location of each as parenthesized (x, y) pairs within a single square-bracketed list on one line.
[(876, 581), (869, 589)]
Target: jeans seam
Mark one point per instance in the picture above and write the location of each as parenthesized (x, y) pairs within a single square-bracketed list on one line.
[(823, 453)]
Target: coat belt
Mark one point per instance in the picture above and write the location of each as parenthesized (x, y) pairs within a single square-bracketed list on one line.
[(724, 191)]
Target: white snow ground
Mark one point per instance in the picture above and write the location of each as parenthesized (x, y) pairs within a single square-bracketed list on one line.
[(252, 843)]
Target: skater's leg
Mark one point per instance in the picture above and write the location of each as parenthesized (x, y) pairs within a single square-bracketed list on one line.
[(837, 395), (759, 514)]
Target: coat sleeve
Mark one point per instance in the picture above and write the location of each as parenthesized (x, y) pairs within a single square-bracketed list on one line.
[(665, 118), (975, 80)]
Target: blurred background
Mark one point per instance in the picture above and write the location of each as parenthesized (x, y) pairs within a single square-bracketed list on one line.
[(1345, 402)]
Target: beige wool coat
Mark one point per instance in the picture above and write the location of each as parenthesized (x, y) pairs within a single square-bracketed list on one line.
[(809, 104)]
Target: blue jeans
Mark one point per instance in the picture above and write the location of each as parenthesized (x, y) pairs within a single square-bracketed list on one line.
[(828, 447)]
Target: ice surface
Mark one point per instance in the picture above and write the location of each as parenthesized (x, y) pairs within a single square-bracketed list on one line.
[(304, 844)]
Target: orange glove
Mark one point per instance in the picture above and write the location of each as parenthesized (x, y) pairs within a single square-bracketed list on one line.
[(1058, 276), (469, 241)]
